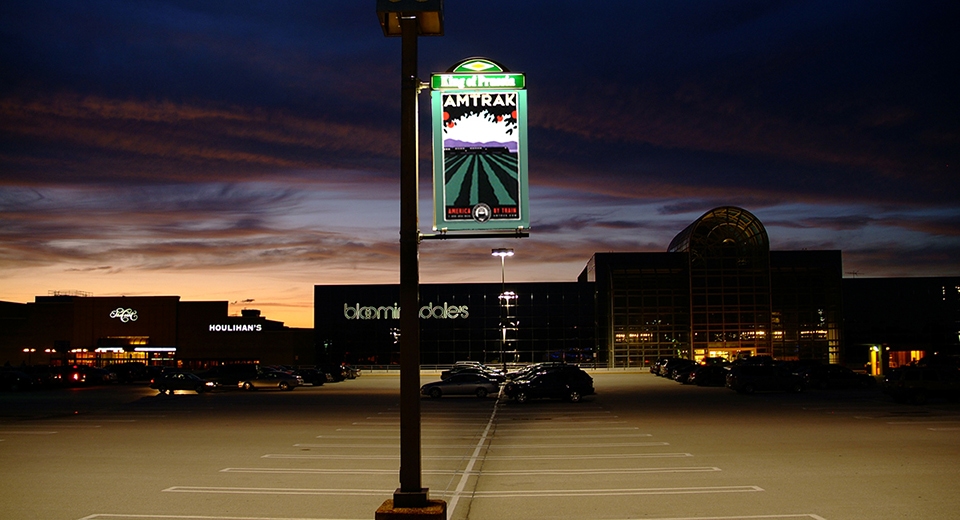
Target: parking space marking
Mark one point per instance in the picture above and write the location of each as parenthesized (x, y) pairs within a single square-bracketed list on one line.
[(616, 492), (519, 472), (745, 517), (492, 446), (452, 506), (217, 490), (115, 516), (505, 457), (27, 432), (476, 494), (191, 517), (920, 422)]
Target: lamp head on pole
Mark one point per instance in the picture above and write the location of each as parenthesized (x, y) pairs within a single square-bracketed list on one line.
[(429, 15), (502, 252)]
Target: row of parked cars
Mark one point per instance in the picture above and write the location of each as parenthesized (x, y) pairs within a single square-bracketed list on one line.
[(167, 379), (41, 376), (551, 380), (760, 373)]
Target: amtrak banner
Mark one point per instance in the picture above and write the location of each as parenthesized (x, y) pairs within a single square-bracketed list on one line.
[(479, 148)]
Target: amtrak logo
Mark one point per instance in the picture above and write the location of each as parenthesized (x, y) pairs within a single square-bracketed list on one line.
[(481, 212)]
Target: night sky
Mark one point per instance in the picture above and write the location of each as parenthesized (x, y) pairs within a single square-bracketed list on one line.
[(249, 150)]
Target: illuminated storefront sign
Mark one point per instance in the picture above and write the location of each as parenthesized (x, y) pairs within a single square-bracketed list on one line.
[(479, 147), (235, 328), (124, 315), (392, 312)]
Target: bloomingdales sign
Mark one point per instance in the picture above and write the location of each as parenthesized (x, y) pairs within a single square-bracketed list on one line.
[(392, 312)]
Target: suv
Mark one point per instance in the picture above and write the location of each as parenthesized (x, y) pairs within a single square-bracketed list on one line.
[(570, 383), (918, 384)]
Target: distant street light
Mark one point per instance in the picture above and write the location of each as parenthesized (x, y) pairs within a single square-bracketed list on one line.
[(505, 297), (502, 253)]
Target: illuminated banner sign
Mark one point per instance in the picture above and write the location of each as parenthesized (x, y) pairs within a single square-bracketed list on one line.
[(124, 315), (479, 147), (392, 312), (235, 327)]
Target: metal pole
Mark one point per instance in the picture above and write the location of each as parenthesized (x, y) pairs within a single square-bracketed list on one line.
[(410, 493), (503, 316)]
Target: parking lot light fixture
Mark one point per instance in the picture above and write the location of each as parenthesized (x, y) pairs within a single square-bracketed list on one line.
[(410, 19)]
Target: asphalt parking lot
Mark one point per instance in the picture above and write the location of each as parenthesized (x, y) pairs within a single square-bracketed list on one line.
[(643, 447)]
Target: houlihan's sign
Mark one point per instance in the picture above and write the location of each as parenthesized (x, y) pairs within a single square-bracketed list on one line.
[(479, 147)]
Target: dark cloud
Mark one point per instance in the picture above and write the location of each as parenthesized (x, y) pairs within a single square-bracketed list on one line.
[(178, 134)]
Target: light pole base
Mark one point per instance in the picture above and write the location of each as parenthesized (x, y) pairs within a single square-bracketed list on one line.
[(412, 506)]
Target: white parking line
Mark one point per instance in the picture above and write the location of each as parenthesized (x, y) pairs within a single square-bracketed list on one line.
[(452, 506), (279, 491), (505, 457), (478, 494), (520, 472), (492, 447), (26, 432), (474, 436), (616, 492), (747, 517), (922, 422), (206, 517), (192, 517)]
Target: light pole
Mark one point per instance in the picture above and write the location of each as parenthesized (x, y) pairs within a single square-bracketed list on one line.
[(503, 253), (410, 19)]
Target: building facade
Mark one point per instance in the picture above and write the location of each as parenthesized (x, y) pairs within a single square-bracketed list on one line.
[(717, 291), (162, 330), (487, 322)]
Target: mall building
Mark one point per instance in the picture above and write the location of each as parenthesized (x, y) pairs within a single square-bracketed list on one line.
[(716, 291), (156, 330)]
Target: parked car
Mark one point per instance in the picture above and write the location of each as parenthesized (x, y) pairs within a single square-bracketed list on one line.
[(535, 368), (667, 367), (461, 384), (747, 379), (83, 375), (167, 383), (708, 375), (271, 379), (918, 384), (834, 376), (311, 376), (482, 370), (681, 370), (350, 372), (658, 364), (16, 380), (129, 372), (570, 383), (230, 375)]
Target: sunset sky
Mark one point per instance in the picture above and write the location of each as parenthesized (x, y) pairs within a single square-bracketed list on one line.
[(222, 150)]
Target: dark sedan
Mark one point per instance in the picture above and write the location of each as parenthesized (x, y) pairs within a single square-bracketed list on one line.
[(169, 382), (482, 370), (570, 383), (461, 384), (747, 379), (708, 375), (279, 380), (834, 376)]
